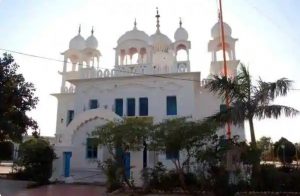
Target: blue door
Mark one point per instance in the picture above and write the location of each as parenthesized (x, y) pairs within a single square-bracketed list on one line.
[(127, 164), (67, 163)]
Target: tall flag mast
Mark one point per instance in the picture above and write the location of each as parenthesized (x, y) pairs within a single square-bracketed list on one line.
[(228, 132)]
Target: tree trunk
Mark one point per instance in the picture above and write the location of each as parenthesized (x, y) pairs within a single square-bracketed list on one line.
[(252, 133), (181, 179), (256, 176), (180, 173)]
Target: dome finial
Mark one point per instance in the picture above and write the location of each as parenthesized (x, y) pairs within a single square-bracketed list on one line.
[(157, 19), (92, 30), (219, 15), (180, 22), (79, 29), (134, 24)]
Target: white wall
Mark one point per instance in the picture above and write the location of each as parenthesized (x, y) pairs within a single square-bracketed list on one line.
[(156, 89)]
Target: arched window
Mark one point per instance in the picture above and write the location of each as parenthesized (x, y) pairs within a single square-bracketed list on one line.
[(219, 55), (127, 59), (133, 52), (143, 56), (181, 53), (134, 58)]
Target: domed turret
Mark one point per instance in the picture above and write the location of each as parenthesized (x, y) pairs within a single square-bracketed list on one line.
[(216, 30), (91, 41), (77, 42), (181, 33)]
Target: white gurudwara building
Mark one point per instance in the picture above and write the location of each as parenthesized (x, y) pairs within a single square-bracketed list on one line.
[(147, 80)]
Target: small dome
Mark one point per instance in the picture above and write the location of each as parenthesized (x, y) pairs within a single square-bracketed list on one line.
[(77, 43), (134, 34), (216, 30), (181, 34), (91, 42), (160, 41)]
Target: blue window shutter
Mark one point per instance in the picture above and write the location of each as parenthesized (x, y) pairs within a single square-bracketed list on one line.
[(172, 154), (91, 148), (70, 116), (223, 108), (119, 107), (171, 105), (130, 107), (143, 106), (93, 103)]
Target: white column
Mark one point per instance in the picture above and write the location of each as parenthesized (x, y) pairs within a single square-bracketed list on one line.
[(233, 53), (117, 57), (65, 64)]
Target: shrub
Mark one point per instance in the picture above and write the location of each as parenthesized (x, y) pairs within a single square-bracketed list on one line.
[(113, 173), (285, 150), (36, 157), (158, 178)]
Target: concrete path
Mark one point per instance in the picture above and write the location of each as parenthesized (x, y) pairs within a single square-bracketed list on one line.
[(18, 188), (11, 187)]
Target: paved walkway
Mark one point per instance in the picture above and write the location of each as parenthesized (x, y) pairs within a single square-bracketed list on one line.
[(18, 188)]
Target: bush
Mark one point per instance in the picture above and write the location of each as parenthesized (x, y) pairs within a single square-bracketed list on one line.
[(36, 157), (6, 150), (284, 150), (278, 179), (158, 178), (113, 174)]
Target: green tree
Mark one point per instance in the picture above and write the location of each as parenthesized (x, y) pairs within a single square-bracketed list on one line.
[(17, 98), (179, 136), (265, 145), (121, 136), (249, 101), (36, 156), (285, 150)]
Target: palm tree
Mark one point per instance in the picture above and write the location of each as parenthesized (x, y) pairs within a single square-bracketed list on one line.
[(249, 101)]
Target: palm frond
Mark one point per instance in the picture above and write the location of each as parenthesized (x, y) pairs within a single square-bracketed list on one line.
[(274, 111), (223, 87), (235, 114), (268, 91)]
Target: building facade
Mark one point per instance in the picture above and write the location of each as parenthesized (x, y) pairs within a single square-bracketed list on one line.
[(149, 79)]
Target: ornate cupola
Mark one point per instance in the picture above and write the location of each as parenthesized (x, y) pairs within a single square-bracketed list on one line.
[(181, 47), (81, 54), (90, 53), (74, 53), (133, 48), (215, 47)]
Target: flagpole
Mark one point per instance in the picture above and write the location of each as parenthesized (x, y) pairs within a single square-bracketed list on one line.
[(228, 133)]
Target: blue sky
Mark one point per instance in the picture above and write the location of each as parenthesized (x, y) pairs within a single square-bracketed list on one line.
[(268, 33)]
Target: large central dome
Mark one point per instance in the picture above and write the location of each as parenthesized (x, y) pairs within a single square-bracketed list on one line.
[(159, 41), (134, 34)]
